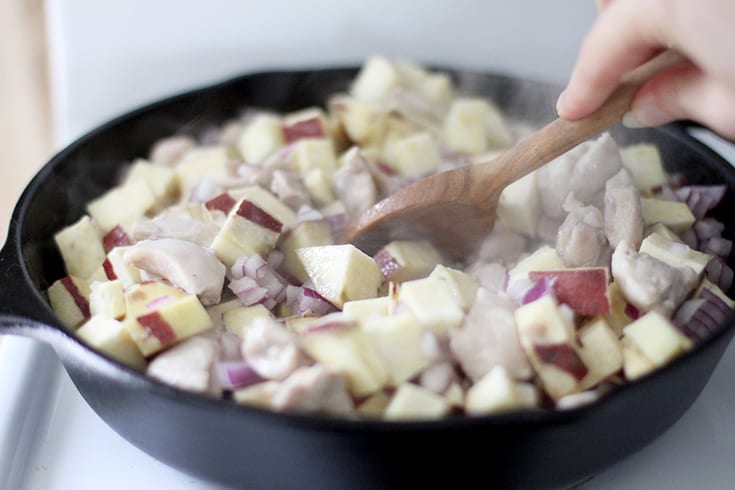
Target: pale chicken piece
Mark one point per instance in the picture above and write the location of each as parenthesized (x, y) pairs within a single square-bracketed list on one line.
[(353, 183), (548, 229), (583, 171), (272, 351), (489, 338), (168, 151), (290, 189), (169, 225), (553, 181), (188, 365), (581, 240), (186, 265), (501, 245), (490, 275), (314, 389), (593, 169), (650, 284), (623, 218)]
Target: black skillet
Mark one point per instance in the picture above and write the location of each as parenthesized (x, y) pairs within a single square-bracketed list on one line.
[(251, 448)]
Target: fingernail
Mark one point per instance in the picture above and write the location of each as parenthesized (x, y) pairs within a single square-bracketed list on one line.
[(559, 101), (645, 115)]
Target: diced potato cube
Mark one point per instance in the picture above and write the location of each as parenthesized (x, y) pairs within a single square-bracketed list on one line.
[(260, 138), (237, 320), (268, 203), (543, 259), (172, 322), (674, 253), (519, 207), (462, 285), (305, 123), (199, 163), (411, 402), (305, 234), (376, 79), (346, 349), (618, 317), (115, 268), (161, 180), (674, 214), (81, 248), (69, 298), (548, 341), (248, 229), (315, 153), (364, 309), (397, 339), (363, 121), (657, 338), (107, 299), (496, 392), (635, 364), (644, 163), (601, 352), (122, 205), (318, 184), (404, 260), (109, 336), (257, 395), (374, 406), (147, 296), (464, 126), (341, 273), (413, 156), (433, 303)]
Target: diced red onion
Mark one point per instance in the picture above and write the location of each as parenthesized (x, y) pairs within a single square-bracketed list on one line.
[(700, 317), (303, 300), (701, 198), (719, 273), (237, 374), (525, 291), (691, 239), (718, 246), (248, 291), (707, 228), (540, 289), (230, 346)]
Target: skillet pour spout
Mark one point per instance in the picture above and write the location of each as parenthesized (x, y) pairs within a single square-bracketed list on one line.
[(246, 447)]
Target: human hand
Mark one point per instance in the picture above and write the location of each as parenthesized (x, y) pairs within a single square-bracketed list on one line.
[(630, 32)]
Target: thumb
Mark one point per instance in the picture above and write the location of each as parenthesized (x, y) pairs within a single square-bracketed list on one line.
[(684, 92)]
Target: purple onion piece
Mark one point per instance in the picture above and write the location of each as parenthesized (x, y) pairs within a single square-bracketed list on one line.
[(233, 375)]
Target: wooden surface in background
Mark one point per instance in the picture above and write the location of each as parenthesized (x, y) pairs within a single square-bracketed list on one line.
[(25, 122)]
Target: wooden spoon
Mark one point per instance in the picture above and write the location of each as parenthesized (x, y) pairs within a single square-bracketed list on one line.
[(456, 209)]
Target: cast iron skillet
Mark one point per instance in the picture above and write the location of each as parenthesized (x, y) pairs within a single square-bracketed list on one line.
[(252, 448)]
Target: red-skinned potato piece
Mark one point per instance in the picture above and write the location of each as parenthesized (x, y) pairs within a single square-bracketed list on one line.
[(584, 290)]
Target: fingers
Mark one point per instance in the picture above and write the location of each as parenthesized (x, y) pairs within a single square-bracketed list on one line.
[(684, 92), (626, 34)]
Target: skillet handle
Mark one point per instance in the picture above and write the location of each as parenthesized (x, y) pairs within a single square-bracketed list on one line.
[(23, 311)]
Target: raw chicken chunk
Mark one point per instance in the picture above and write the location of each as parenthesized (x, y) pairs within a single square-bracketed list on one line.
[(271, 349), (581, 240), (314, 389), (623, 218), (650, 284)]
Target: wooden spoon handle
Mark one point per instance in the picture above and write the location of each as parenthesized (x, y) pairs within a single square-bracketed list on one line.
[(561, 135)]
